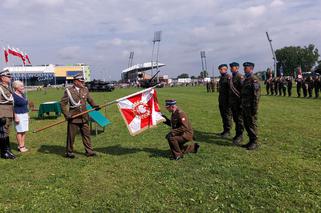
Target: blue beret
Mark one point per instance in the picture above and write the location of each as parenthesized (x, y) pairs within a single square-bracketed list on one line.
[(170, 102), (248, 64), (234, 64), (222, 65)]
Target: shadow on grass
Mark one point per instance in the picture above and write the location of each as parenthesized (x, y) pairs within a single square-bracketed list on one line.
[(54, 149), (118, 150), (212, 138)]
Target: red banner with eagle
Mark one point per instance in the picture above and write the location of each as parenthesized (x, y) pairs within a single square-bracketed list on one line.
[(140, 111)]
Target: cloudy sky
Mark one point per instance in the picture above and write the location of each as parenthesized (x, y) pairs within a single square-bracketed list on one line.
[(101, 33)]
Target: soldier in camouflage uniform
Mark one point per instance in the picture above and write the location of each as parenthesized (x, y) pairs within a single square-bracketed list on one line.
[(236, 83), (250, 96), (223, 101), (6, 114), (268, 82), (304, 87)]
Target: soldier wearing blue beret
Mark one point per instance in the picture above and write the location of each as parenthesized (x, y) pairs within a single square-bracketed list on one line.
[(250, 96), (223, 100), (236, 83)]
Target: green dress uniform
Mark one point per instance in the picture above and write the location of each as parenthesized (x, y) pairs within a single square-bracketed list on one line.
[(181, 132), (236, 83), (223, 101), (74, 102), (6, 117), (250, 97)]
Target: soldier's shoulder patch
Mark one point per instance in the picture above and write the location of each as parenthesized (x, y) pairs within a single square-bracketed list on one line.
[(256, 85)]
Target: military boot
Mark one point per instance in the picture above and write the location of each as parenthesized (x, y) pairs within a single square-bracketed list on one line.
[(8, 149), (5, 150), (225, 134), (253, 145), (237, 140)]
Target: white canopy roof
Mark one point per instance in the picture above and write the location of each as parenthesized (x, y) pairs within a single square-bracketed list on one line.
[(142, 67)]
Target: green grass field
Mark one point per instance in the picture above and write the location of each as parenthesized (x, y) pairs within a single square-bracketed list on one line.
[(134, 174)]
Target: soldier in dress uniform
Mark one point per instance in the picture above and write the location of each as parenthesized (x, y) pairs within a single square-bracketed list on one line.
[(289, 85), (6, 114), (317, 85), (223, 100), (236, 83), (276, 85), (74, 102), (181, 131), (310, 83), (299, 84), (250, 96), (282, 85)]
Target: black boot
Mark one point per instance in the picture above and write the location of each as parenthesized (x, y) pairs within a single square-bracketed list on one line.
[(237, 140), (5, 149), (254, 145), (225, 134)]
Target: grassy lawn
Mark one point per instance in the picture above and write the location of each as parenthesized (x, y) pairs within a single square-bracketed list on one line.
[(134, 173)]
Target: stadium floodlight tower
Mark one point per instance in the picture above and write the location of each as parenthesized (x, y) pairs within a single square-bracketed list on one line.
[(157, 39), (203, 59), (273, 53), (130, 59)]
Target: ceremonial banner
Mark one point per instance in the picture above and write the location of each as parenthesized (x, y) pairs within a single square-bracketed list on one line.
[(140, 111), (6, 54)]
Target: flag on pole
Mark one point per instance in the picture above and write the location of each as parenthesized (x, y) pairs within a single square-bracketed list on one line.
[(140, 111), (27, 57), (6, 54)]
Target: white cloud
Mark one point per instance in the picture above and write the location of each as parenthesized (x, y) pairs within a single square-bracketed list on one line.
[(256, 10), (277, 3)]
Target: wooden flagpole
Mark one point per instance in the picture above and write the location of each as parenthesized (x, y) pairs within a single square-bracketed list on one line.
[(90, 110)]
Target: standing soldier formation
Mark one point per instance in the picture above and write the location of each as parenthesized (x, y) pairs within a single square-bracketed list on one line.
[(250, 96), (236, 83), (6, 114), (223, 100), (72, 103), (268, 82)]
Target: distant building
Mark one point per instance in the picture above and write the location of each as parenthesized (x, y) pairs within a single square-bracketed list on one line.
[(137, 72), (49, 74)]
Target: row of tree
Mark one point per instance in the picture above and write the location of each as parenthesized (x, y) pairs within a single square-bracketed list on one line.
[(290, 58)]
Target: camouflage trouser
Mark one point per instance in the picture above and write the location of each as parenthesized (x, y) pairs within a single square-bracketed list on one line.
[(237, 118), (5, 128), (226, 116), (250, 123)]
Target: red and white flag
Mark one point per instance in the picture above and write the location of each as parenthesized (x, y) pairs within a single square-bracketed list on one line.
[(27, 57), (6, 54), (140, 111)]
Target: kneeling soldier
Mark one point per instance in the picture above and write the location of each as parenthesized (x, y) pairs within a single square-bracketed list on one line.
[(181, 132), (74, 102)]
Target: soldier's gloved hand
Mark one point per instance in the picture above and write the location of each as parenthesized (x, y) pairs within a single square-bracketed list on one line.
[(3, 121), (97, 108)]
